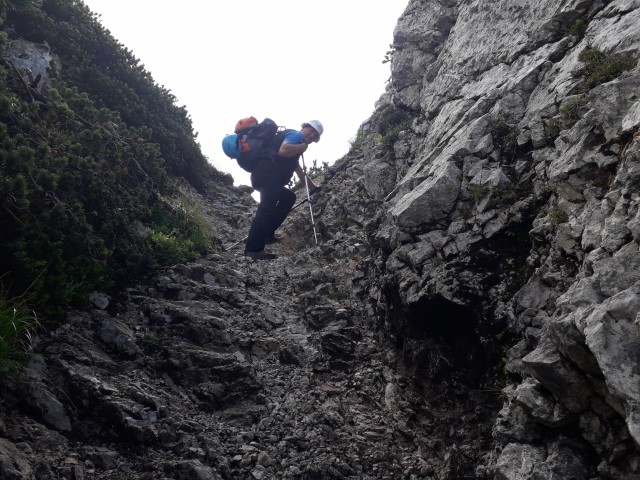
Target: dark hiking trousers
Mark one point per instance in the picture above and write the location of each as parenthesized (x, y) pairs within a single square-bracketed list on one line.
[(276, 202)]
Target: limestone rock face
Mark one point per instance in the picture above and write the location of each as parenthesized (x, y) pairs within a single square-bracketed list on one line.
[(544, 200), (511, 236), (430, 201)]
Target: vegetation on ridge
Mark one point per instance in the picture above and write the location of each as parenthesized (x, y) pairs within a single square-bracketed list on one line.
[(87, 165)]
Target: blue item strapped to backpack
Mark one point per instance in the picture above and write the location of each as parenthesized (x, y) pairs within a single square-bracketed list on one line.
[(231, 146)]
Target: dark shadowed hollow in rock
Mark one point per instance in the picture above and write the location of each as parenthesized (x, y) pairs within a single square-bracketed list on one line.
[(440, 340)]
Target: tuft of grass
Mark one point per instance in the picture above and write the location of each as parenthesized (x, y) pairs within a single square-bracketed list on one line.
[(501, 195), (557, 216), (480, 191), (357, 142), (179, 232), (18, 324)]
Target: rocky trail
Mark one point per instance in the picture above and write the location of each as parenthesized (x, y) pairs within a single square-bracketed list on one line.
[(230, 368)]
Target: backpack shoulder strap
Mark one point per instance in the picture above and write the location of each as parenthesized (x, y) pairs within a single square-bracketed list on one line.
[(280, 136)]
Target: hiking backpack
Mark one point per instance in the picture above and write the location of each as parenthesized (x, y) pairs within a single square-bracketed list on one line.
[(251, 142)]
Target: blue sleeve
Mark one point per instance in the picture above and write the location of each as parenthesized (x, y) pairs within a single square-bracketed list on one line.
[(295, 138)]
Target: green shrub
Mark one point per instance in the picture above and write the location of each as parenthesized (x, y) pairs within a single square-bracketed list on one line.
[(480, 191), (600, 68), (573, 109), (390, 122), (316, 172), (578, 28), (109, 76)]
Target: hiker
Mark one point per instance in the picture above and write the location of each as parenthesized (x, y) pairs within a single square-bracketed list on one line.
[(270, 177)]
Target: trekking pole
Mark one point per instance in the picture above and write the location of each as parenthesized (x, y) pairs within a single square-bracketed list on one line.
[(306, 182)]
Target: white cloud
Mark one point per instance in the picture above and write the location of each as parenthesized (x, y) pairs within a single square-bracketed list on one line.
[(288, 60)]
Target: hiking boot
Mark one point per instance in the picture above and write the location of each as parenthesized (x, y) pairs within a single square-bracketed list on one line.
[(271, 240), (262, 255)]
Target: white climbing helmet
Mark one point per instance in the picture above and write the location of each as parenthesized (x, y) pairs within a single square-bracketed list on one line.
[(316, 125)]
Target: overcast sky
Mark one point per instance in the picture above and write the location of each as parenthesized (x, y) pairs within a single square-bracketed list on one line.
[(288, 60)]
